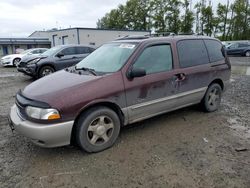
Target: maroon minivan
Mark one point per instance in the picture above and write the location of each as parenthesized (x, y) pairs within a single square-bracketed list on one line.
[(122, 82)]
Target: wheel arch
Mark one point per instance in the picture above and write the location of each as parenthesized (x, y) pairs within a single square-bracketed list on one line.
[(43, 65), (15, 59), (245, 51), (46, 64), (217, 81), (116, 108)]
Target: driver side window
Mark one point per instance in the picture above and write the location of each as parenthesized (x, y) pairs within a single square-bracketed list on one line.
[(155, 59), (69, 51), (234, 46)]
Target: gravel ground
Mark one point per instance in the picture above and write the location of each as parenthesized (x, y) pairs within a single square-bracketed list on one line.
[(184, 148)]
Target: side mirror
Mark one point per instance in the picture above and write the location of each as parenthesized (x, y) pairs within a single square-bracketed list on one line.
[(60, 54), (136, 72)]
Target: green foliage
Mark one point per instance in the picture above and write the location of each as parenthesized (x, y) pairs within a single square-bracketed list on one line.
[(227, 22), (187, 19)]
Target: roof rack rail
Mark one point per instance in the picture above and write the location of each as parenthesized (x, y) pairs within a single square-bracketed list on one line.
[(131, 37), (163, 34), (160, 34), (187, 33)]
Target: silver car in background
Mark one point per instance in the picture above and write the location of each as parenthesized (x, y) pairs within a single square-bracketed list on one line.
[(14, 59)]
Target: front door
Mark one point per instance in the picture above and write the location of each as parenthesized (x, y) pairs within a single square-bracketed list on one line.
[(151, 94), (69, 58), (233, 49)]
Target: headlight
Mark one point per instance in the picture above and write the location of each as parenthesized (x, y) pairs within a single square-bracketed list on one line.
[(6, 58), (41, 113), (33, 61)]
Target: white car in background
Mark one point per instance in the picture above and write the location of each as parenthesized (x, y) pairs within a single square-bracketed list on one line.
[(14, 59)]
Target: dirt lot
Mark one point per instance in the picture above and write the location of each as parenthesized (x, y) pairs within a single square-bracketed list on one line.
[(185, 148)]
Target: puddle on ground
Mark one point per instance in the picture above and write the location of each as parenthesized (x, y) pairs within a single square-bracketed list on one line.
[(241, 70)]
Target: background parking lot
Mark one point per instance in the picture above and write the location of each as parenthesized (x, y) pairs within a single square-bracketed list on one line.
[(184, 148)]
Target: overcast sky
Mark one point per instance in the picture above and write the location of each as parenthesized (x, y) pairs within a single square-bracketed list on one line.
[(19, 18)]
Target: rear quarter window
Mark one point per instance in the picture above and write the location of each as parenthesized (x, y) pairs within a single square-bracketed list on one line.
[(215, 50), (192, 53)]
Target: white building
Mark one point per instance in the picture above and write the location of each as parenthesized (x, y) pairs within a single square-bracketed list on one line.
[(11, 45), (90, 36)]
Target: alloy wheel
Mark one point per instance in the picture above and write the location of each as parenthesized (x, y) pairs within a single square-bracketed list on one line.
[(248, 54), (100, 130), (213, 97), (47, 72), (16, 62)]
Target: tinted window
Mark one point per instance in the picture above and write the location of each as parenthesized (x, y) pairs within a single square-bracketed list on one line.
[(235, 45), (43, 50), (91, 50), (155, 59), (69, 51), (82, 50), (243, 45), (192, 53), (35, 52), (215, 50)]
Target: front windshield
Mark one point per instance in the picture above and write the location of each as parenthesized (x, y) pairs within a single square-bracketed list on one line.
[(26, 51), (51, 51), (108, 58)]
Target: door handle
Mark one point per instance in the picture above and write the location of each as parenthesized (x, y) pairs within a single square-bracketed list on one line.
[(74, 57), (179, 77)]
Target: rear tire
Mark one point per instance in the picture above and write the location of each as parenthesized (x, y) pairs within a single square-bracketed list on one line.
[(212, 98), (45, 70), (97, 129)]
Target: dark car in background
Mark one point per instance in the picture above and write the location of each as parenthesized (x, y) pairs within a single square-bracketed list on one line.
[(54, 59), (238, 48), (122, 82)]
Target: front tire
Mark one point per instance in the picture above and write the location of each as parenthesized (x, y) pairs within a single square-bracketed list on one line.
[(212, 98), (247, 53), (45, 71), (16, 61), (97, 129)]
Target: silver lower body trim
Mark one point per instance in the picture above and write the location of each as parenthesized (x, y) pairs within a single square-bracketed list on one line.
[(152, 108)]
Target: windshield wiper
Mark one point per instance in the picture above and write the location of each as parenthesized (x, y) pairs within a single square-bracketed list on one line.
[(92, 71)]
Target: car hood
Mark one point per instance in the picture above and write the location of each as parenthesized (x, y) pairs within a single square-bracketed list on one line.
[(53, 88), (12, 56), (28, 58)]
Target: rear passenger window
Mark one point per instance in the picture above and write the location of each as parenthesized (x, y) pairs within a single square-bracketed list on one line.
[(215, 50), (192, 53), (69, 51), (243, 45), (155, 59)]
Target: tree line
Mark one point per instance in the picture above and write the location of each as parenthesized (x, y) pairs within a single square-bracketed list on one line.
[(230, 21)]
